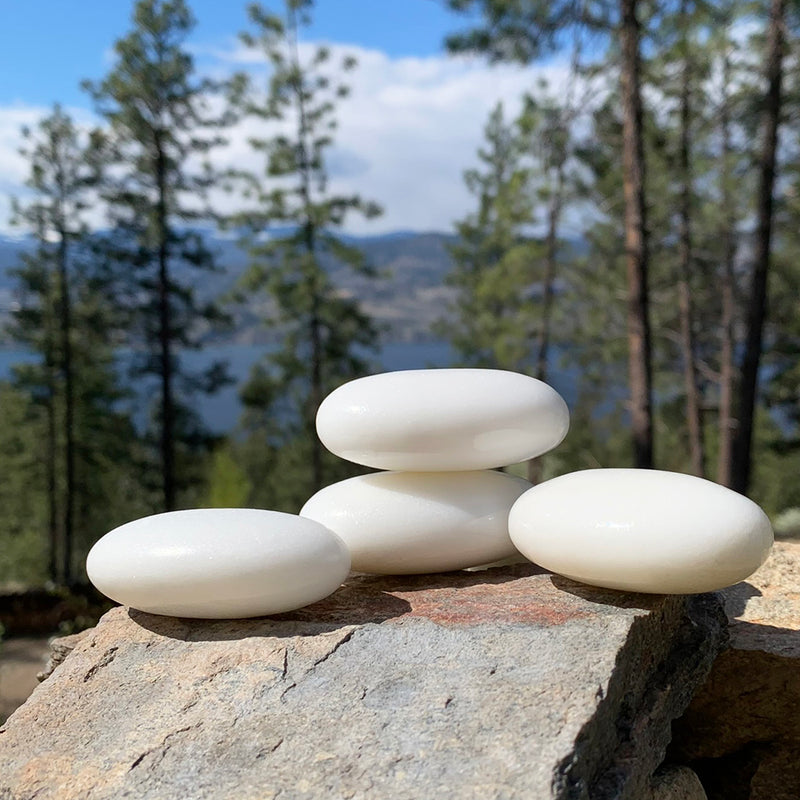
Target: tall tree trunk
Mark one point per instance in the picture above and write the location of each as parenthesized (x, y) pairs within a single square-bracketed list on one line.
[(686, 258), (636, 240), (315, 392), (69, 403), (550, 262), (756, 311), (165, 335), (314, 325), (727, 378), (53, 526), (551, 255)]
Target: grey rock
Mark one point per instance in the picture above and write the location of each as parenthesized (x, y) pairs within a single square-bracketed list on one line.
[(742, 730), (677, 783), (60, 648), (508, 683)]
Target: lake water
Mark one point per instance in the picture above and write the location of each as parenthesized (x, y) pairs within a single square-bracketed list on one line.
[(221, 411)]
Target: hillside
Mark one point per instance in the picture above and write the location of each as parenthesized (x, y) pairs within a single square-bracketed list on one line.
[(405, 300)]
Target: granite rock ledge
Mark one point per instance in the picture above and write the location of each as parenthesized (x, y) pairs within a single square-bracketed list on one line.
[(507, 683), (742, 729)]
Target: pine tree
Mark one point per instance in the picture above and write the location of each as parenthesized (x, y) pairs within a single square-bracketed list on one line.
[(61, 176), (636, 234), (732, 168), (492, 322), (26, 555), (549, 143), (325, 336), (504, 268), (679, 70), (33, 326), (522, 32), (65, 314), (594, 326), (157, 112), (757, 304)]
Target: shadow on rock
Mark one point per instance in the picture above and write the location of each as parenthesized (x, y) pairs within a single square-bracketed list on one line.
[(362, 600), (608, 597), (340, 610), (736, 598)]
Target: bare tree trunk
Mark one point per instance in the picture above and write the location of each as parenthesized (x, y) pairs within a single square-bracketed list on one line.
[(636, 240), (686, 257), (756, 311), (50, 450), (165, 336), (727, 421), (69, 405), (315, 328), (65, 308), (315, 394), (550, 259), (550, 262)]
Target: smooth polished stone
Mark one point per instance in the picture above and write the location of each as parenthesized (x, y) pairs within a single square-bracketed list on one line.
[(218, 563), (641, 530), (442, 419), (398, 523)]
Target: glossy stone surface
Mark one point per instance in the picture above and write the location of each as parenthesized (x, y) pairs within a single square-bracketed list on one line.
[(442, 419), (221, 563), (641, 530), (414, 522)]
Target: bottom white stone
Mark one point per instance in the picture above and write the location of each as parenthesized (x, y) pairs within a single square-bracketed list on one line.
[(415, 522)]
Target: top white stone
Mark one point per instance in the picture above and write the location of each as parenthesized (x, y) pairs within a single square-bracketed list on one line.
[(442, 419)]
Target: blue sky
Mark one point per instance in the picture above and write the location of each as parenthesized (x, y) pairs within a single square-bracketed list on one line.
[(48, 46), (410, 127)]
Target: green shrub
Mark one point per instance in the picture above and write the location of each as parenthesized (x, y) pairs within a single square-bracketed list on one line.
[(787, 524)]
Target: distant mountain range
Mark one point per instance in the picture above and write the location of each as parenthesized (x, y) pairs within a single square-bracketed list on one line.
[(405, 300)]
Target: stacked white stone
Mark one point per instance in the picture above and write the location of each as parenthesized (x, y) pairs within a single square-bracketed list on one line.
[(440, 506), (441, 433)]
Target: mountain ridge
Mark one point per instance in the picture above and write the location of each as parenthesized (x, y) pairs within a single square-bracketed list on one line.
[(406, 298)]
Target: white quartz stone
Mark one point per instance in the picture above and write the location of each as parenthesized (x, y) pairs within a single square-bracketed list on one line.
[(641, 530), (442, 419), (218, 563), (412, 522)]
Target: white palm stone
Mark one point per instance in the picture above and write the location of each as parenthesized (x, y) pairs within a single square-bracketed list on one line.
[(641, 530), (442, 419), (414, 522), (218, 563)]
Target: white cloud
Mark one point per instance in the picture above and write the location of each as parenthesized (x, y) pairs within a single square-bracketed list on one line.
[(408, 130), (13, 166), (13, 169)]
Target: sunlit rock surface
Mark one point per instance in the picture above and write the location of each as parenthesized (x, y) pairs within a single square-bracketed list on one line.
[(742, 730), (498, 684)]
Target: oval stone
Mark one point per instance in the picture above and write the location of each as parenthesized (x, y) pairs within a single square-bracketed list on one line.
[(218, 563), (641, 530), (442, 419), (399, 523)]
